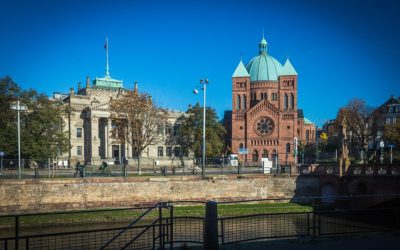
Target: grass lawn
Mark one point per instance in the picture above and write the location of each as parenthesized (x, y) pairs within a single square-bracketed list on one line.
[(85, 217)]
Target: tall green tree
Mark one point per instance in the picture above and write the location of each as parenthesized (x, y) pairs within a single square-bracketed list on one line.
[(9, 92), (42, 133), (191, 132)]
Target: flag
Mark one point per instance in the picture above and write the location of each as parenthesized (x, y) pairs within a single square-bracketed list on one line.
[(106, 44)]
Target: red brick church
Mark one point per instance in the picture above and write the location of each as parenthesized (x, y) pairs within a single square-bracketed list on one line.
[(266, 121)]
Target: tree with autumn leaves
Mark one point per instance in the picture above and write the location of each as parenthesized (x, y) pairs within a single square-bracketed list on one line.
[(136, 120)]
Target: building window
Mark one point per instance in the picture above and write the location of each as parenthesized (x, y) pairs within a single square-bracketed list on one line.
[(238, 102), (291, 101), (255, 156), (79, 150), (160, 151), (159, 129), (177, 151), (79, 132), (287, 148), (307, 135), (169, 151), (264, 153), (176, 130), (241, 146), (285, 102), (168, 129), (254, 96), (264, 126), (244, 102)]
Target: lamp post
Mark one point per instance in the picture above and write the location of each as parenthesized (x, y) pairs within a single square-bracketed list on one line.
[(203, 83), (316, 140), (391, 153), (18, 107), (295, 150), (382, 145)]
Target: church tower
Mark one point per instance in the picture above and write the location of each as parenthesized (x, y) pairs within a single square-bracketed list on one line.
[(265, 118), (240, 105)]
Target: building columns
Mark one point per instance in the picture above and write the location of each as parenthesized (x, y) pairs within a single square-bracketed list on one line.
[(95, 139), (108, 136)]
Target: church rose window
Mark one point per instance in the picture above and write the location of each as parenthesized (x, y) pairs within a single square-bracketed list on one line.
[(264, 126)]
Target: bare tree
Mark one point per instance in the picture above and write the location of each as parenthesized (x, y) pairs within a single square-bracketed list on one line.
[(136, 119), (361, 122)]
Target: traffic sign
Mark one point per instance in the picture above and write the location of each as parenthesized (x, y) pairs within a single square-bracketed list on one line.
[(243, 151)]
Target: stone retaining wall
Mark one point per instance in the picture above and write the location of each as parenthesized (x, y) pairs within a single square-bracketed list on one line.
[(60, 194)]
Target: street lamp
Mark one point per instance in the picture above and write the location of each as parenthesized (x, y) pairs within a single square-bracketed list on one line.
[(18, 107), (295, 150), (203, 87), (382, 145)]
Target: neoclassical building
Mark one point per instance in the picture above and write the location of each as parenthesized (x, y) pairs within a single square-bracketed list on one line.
[(88, 126), (266, 120)]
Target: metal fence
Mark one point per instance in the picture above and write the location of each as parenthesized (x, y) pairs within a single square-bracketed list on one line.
[(151, 227), (262, 226), (338, 216), (156, 227), (56, 169)]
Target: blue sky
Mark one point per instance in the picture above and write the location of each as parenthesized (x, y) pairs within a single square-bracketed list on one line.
[(340, 49)]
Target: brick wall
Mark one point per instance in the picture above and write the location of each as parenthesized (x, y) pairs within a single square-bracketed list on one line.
[(60, 194)]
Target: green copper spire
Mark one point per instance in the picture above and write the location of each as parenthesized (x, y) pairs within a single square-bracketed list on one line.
[(240, 70), (263, 45), (288, 69), (107, 82), (306, 121)]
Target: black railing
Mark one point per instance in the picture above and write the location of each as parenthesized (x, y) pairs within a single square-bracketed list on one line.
[(262, 226), (157, 227), (120, 234)]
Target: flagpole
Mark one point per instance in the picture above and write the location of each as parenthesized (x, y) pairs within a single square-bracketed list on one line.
[(107, 72)]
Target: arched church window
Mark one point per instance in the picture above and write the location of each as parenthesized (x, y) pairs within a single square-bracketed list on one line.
[(255, 156), (244, 102), (288, 148), (291, 101), (241, 146), (285, 102), (238, 102), (264, 153)]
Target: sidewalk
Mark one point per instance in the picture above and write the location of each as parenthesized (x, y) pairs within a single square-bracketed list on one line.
[(388, 241)]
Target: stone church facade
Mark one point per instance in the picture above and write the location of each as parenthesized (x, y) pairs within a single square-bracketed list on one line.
[(266, 121), (89, 126)]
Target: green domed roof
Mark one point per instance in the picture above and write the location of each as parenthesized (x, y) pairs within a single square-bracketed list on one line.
[(264, 67)]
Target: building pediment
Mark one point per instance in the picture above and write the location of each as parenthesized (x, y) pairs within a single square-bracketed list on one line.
[(263, 107), (100, 107)]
